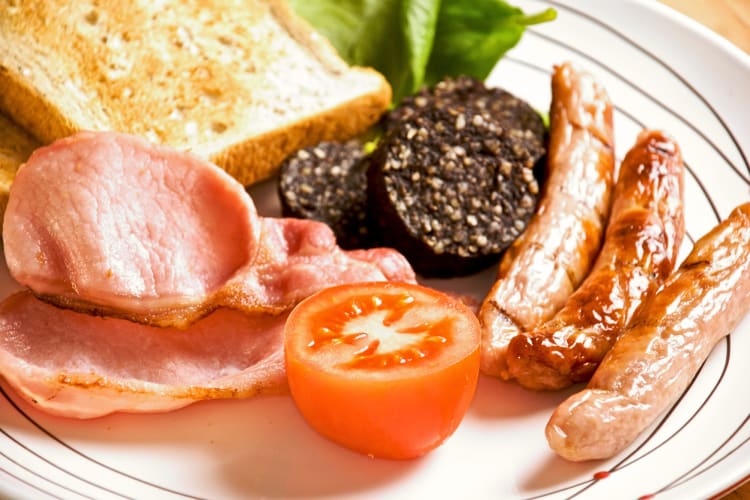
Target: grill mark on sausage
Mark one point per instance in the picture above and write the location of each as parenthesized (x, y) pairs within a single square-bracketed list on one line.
[(655, 359), (640, 249), (551, 258)]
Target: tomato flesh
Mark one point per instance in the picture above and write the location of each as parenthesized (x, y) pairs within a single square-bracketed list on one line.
[(386, 369)]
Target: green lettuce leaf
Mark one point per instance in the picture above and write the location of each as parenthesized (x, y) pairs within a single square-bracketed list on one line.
[(417, 42), (473, 35)]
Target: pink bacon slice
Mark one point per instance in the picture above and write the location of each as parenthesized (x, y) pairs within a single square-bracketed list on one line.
[(109, 224), (76, 365)]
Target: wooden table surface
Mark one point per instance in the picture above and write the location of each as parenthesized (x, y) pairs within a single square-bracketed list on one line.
[(731, 19)]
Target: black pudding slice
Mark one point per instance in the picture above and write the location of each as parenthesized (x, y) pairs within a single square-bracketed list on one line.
[(451, 185), (327, 183), (507, 110)]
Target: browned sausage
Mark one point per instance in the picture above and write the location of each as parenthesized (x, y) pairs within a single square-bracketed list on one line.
[(660, 352), (640, 250), (555, 253)]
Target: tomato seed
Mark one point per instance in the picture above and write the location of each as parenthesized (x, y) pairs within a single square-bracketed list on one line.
[(353, 338), (369, 349), (428, 335), (439, 339)]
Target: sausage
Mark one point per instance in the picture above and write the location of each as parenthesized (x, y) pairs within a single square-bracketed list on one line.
[(640, 250), (660, 352), (555, 252)]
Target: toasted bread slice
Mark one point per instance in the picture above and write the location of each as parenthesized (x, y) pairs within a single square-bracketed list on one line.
[(243, 84), (15, 147)]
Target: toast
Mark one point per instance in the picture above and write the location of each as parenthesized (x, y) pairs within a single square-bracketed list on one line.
[(242, 85), (15, 147)]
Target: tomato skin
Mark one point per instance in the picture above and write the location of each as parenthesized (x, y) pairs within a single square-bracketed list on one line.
[(401, 415), (382, 418)]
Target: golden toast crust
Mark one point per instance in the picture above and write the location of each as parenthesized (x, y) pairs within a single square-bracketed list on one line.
[(243, 86)]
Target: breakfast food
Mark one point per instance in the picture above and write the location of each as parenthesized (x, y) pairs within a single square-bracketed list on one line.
[(387, 369), (328, 183), (463, 92), (174, 290), (130, 229), (15, 147), (662, 349), (104, 223), (551, 258), (126, 226), (640, 250), (242, 85), (82, 366), (451, 183)]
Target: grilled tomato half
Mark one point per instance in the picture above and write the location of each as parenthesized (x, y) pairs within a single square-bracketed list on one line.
[(386, 369)]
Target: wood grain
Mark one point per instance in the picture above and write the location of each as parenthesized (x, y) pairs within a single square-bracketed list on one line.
[(731, 19)]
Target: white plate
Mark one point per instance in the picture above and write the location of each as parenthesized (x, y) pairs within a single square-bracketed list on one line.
[(661, 70)]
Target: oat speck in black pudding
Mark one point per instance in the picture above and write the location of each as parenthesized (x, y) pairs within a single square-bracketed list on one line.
[(451, 185), (327, 183), (506, 110)]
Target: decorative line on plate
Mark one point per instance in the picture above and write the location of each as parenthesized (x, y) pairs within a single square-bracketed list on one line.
[(84, 456), (612, 30), (585, 485), (30, 471), (692, 474), (721, 120), (641, 124), (685, 163), (650, 97), (666, 66), (24, 482), (727, 344), (624, 462)]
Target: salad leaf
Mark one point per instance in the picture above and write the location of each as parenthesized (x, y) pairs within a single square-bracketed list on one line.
[(417, 42), (393, 36), (419, 20), (473, 35)]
